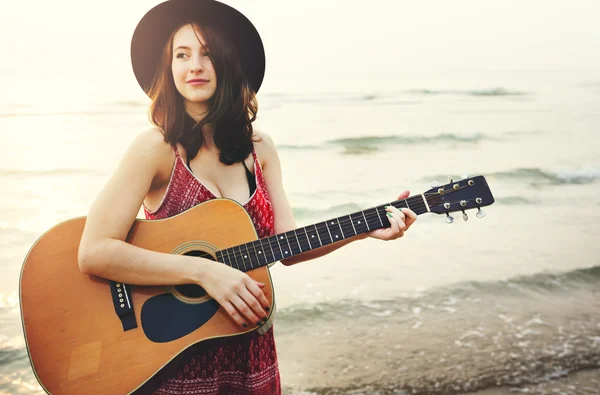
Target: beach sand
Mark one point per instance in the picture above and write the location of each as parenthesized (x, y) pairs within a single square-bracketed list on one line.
[(548, 344)]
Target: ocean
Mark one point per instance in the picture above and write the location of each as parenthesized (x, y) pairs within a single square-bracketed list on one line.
[(510, 299)]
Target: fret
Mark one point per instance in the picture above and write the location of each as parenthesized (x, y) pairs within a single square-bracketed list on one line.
[(221, 258), (242, 258), (340, 226), (274, 244), (366, 222), (251, 251), (269, 253), (358, 221), (293, 242), (260, 253), (302, 238), (383, 218), (283, 247), (323, 232), (373, 219), (346, 225), (336, 235), (313, 237), (229, 258)]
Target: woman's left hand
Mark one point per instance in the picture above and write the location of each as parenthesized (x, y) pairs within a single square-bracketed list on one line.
[(400, 221)]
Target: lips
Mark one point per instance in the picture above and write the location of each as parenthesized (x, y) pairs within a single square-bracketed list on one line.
[(197, 81)]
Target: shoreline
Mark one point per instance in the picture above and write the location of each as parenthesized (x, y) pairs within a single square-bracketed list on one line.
[(496, 344)]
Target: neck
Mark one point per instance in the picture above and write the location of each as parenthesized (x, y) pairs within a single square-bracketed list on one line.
[(285, 245)]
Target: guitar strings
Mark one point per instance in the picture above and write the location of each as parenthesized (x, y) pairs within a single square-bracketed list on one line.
[(373, 213), (343, 223)]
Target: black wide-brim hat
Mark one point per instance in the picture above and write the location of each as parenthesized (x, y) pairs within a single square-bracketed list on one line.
[(155, 28)]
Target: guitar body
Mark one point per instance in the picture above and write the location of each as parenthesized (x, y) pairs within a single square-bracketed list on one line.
[(76, 341)]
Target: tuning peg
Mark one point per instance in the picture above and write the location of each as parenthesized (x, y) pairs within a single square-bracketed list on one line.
[(435, 184), (449, 219), (465, 216), (480, 213), (450, 180)]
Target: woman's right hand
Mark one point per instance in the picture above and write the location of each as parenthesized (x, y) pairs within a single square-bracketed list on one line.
[(240, 295)]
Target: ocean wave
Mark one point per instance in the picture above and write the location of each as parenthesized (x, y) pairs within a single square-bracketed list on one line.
[(481, 92), (444, 299), (537, 176), (369, 144), (46, 173)]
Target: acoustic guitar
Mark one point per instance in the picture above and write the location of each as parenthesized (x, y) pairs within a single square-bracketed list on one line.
[(85, 334)]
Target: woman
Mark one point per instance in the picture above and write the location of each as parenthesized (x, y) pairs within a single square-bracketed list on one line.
[(201, 62)]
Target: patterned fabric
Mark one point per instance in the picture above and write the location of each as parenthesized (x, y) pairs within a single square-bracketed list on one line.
[(245, 364)]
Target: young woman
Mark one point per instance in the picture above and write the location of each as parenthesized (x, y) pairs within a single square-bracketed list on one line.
[(202, 62)]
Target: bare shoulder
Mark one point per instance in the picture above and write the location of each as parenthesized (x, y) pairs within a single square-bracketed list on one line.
[(265, 147), (150, 150)]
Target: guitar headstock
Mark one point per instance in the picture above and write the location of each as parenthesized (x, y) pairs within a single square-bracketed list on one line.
[(468, 193)]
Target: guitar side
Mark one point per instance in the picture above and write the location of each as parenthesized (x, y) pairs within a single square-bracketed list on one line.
[(74, 338)]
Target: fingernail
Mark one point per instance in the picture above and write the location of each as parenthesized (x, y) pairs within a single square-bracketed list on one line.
[(389, 215), (258, 323), (245, 325), (267, 308)]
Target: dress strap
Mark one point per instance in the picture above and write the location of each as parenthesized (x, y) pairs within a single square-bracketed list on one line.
[(176, 150)]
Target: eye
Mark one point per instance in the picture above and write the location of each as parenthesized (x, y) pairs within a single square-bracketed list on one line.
[(181, 55), (206, 54)]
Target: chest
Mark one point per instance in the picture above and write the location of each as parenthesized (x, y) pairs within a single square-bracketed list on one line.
[(229, 181)]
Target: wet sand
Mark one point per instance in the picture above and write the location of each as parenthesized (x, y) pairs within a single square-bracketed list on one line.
[(524, 344)]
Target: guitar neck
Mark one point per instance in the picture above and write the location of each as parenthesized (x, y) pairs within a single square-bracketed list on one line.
[(271, 249)]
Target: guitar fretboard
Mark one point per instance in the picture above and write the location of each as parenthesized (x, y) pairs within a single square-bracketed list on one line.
[(271, 249)]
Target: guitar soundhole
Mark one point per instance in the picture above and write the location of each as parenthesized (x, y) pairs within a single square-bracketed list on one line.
[(191, 290)]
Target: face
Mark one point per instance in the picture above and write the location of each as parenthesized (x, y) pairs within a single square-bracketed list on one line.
[(192, 68)]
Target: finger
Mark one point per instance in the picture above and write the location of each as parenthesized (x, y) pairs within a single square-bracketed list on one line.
[(245, 310), (404, 195), (394, 226), (233, 313), (260, 295), (411, 217), (254, 304), (261, 285), (401, 224)]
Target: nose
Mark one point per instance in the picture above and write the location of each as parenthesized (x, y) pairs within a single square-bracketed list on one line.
[(197, 65)]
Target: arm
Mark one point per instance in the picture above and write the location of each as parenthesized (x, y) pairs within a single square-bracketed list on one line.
[(104, 252), (284, 217)]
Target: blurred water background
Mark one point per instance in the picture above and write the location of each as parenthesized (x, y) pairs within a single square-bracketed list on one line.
[(510, 299)]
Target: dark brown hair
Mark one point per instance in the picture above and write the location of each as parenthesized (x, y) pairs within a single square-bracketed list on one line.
[(232, 109)]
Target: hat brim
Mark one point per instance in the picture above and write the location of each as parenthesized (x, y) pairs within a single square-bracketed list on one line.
[(155, 28)]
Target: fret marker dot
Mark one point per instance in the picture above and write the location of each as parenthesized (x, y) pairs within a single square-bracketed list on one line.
[(286, 252), (332, 223), (281, 237), (359, 222), (245, 256), (336, 236), (260, 252), (313, 236)]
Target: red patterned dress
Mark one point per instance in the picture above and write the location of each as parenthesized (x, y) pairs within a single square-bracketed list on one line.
[(245, 364)]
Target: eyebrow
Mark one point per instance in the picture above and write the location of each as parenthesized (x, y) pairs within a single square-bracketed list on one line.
[(186, 47)]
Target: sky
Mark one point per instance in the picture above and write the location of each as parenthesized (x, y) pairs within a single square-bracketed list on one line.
[(314, 39)]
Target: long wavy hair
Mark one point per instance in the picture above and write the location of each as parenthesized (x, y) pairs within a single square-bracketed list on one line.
[(232, 108)]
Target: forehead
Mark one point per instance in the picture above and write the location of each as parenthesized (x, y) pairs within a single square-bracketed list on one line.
[(188, 36)]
